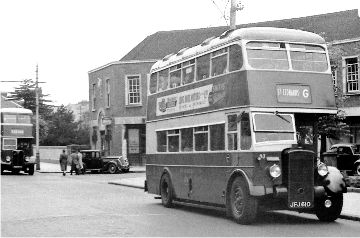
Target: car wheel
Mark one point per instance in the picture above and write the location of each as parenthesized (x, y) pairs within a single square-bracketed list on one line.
[(166, 191), (112, 168), (31, 170), (357, 169), (240, 205)]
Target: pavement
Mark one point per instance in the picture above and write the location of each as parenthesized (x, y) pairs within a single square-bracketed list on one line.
[(350, 211)]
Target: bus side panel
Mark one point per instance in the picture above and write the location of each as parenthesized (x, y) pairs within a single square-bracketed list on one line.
[(200, 177)]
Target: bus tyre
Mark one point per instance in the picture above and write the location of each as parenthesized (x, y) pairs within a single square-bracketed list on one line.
[(329, 214), (357, 169), (166, 191), (31, 169), (240, 205)]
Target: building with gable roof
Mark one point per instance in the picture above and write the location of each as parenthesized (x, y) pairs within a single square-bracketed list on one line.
[(117, 90)]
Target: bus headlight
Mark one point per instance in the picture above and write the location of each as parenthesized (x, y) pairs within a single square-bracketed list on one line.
[(322, 169), (275, 171), (27, 158), (8, 158)]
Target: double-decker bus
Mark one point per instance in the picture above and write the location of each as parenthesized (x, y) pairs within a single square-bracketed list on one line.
[(232, 123), (16, 140)]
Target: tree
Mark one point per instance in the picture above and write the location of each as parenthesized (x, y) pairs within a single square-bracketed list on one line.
[(62, 128), (26, 94)]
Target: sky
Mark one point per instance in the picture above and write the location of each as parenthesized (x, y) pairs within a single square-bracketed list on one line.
[(68, 38)]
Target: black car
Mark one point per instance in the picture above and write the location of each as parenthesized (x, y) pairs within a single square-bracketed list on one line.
[(93, 161), (346, 157)]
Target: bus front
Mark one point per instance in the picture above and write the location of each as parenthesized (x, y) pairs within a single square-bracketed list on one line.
[(290, 87), (16, 140)]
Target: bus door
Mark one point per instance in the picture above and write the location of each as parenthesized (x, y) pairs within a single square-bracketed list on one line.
[(306, 130)]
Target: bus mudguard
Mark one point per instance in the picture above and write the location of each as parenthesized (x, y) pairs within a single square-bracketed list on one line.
[(334, 181), (166, 170), (254, 190)]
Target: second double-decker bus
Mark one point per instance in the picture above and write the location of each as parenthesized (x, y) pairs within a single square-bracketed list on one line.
[(232, 123), (16, 140)]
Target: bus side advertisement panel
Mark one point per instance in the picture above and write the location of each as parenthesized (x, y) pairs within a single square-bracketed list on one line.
[(216, 93)]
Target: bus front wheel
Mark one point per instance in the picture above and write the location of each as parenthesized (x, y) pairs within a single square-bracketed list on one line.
[(241, 206), (328, 208), (166, 191)]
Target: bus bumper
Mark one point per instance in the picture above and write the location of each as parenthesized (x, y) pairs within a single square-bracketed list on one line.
[(282, 191)]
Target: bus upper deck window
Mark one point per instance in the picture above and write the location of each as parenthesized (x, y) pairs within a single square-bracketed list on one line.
[(236, 58), (267, 55), (9, 118), (175, 76), (188, 72), (308, 58), (202, 67), (163, 80), (219, 62), (153, 82), (24, 119)]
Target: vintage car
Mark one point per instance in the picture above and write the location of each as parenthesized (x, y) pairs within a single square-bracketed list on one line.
[(346, 157), (93, 161)]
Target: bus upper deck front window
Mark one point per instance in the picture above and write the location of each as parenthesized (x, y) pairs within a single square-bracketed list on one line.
[(271, 127), (25, 119), (308, 58), (9, 118), (267, 55)]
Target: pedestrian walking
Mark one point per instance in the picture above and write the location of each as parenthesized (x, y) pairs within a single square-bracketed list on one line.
[(81, 165), (63, 162), (74, 163)]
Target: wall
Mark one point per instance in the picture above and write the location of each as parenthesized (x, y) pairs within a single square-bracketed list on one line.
[(49, 152)]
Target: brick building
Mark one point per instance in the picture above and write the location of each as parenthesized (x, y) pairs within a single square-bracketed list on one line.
[(117, 91), (345, 56)]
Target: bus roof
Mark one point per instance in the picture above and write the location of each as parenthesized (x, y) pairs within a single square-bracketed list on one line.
[(16, 110), (252, 33)]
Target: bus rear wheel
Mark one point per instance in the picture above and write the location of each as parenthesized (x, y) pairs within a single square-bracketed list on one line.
[(166, 191), (241, 206), (333, 209)]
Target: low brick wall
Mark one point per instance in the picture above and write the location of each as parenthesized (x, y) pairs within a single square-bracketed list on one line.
[(49, 153)]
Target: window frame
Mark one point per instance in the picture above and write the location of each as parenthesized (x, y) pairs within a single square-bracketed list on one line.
[(345, 75), (12, 139), (93, 101), (107, 89), (127, 90)]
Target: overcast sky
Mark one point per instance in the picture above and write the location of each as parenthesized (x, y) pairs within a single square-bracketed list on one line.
[(68, 38)]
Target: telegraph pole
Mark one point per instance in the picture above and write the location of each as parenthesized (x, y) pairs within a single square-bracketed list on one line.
[(37, 160), (235, 6)]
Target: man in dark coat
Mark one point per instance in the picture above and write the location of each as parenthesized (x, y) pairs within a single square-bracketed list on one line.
[(63, 162)]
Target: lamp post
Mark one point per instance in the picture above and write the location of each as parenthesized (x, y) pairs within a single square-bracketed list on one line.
[(37, 158)]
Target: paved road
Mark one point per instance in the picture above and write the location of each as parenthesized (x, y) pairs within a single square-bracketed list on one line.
[(53, 205)]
